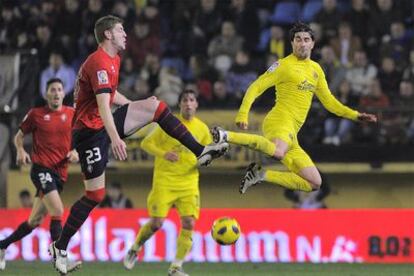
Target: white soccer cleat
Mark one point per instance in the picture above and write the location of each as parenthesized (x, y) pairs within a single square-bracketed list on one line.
[(176, 271), (60, 259), (212, 151), (252, 177), (2, 259), (130, 258), (73, 266), (219, 134)]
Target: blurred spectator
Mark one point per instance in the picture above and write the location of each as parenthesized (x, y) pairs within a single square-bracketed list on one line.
[(43, 43), (151, 71), (358, 18), (403, 130), (243, 14), (226, 44), (128, 75), (139, 91), (397, 44), (240, 75), (338, 130), (329, 18), (319, 42), (221, 97), (93, 12), (115, 198), (408, 73), (58, 69), (170, 86), (121, 9), (273, 41), (203, 75), (9, 22), (25, 198), (142, 42), (345, 44), (389, 77), (361, 74), (206, 24), (312, 200), (334, 71)]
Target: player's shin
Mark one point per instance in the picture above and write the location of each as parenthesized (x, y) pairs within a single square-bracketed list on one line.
[(184, 244), (253, 141), (288, 180), (144, 234)]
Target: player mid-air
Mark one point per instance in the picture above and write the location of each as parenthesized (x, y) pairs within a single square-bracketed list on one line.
[(296, 79), (95, 128)]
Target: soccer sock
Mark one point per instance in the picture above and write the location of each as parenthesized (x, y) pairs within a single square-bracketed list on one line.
[(173, 127), (288, 180), (78, 214), (144, 234), (55, 227), (184, 243), (253, 141), (22, 230)]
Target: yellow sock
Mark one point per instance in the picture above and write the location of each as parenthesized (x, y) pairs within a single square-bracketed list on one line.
[(143, 235), (253, 141), (184, 243), (288, 180)]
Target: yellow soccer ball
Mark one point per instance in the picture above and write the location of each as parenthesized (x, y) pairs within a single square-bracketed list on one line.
[(225, 230)]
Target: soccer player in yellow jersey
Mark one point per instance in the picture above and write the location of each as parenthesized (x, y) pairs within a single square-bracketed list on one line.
[(296, 79), (175, 182)]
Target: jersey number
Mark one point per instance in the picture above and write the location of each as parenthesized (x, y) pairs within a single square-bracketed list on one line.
[(93, 155), (44, 178)]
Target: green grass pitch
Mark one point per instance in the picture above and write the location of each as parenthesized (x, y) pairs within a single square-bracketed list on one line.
[(217, 269)]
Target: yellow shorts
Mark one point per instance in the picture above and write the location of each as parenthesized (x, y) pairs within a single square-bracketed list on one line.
[(296, 158), (160, 201)]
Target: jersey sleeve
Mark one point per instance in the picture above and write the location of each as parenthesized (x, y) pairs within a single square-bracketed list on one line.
[(207, 139), (330, 102), (152, 140), (266, 80), (99, 78), (27, 125)]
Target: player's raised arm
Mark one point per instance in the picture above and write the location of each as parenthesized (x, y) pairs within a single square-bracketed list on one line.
[(117, 144), (255, 89)]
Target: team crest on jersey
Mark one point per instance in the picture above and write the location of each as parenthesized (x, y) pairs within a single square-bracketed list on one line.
[(46, 117), (63, 117), (273, 66), (102, 77), (315, 75)]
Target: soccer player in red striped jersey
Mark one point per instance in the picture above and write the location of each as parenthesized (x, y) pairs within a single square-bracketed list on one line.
[(50, 127), (96, 128)]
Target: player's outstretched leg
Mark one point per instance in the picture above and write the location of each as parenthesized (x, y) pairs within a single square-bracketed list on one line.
[(253, 176), (60, 258), (2, 259), (176, 271), (252, 141)]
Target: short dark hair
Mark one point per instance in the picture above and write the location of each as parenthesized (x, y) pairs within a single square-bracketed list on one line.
[(103, 24), (53, 80), (187, 92), (300, 27), (24, 193)]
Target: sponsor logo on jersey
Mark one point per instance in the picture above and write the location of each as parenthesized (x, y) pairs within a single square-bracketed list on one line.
[(46, 117), (306, 86), (102, 77), (63, 117)]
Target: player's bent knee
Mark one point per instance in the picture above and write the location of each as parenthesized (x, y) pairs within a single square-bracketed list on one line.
[(35, 222), (96, 195), (57, 212), (188, 223)]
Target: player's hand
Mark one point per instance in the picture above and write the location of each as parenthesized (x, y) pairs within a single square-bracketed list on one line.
[(119, 149), (366, 117), (22, 158), (171, 156), (242, 125), (72, 156)]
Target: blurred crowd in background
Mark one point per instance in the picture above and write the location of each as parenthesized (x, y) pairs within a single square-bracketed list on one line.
[(218, 47)]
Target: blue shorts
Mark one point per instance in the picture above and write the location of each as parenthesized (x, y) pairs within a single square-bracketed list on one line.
[(45, 180), (93, 145)]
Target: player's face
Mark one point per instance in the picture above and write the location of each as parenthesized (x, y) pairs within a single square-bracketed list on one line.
[(118, 37), (55, 95), (188, 106), (302, 45)]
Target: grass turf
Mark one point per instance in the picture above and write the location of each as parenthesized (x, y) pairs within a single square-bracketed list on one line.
[(219, 269)]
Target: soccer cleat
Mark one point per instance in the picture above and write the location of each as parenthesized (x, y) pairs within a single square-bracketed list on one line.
[(130, 259), (60, 259), (252, 177), (73, 266), (219, 134), (211, 152), (176, 271), (2, 259)]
